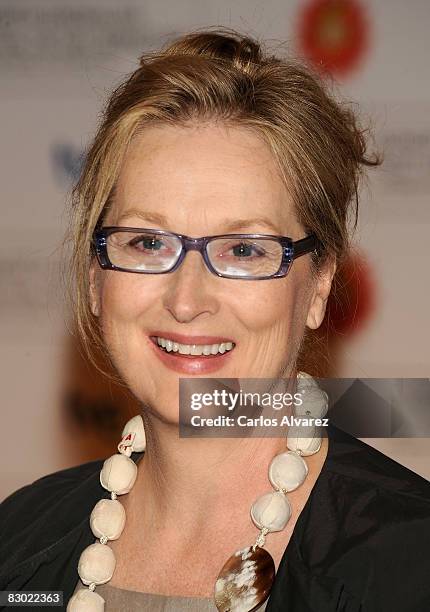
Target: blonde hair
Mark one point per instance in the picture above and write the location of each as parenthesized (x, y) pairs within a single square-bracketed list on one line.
[(219, 74)]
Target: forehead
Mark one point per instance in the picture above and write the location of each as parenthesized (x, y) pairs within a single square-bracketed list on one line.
[(199, 175)]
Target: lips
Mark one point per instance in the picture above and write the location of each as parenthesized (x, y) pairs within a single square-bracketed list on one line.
[(190, 364)]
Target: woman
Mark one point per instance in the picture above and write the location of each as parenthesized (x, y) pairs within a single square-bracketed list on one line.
[(210, 138)]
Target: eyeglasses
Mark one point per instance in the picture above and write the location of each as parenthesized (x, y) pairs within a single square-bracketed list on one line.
[(238, 256)]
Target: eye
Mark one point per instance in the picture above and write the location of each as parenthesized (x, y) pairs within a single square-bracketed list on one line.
[(149, 243), (246, 250)]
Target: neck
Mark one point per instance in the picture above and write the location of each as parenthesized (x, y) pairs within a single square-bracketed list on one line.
[(203, 485), (192, 481), (201, 481), (187, 489)]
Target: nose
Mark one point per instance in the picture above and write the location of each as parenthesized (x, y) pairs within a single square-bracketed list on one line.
[(190, 292)]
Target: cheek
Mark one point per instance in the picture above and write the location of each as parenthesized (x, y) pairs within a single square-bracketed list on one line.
[(114, 308), (122, 302), (275, 307)]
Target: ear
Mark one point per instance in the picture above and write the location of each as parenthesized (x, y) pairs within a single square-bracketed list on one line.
[(94, 288), (321, 291)]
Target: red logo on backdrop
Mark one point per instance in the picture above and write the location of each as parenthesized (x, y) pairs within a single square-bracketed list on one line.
[(354, 303), (333, 34)]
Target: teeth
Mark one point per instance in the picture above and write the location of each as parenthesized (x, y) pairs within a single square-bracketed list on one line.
[(194, 349)]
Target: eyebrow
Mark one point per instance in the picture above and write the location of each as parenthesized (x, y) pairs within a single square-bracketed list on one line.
[(227, 224)]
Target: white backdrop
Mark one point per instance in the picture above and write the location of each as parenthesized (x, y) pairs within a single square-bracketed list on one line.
[(59, 60)]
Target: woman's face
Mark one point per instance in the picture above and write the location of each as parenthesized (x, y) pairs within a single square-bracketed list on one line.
[(200, 181)]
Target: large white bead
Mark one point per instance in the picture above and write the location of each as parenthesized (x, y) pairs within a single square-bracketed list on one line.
[(272, 511), (135, 425), (314, 399), (96, 564), (118, 474), (304, 439), (287, 471), (315, 402), (85, 600), (108, 519)]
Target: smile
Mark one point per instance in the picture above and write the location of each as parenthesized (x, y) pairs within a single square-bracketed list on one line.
[(192, 354)]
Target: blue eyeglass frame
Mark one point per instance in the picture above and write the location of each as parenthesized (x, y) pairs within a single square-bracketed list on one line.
[(290, 250)]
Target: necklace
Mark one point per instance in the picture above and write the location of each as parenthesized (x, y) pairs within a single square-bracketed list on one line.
[(245, 580)]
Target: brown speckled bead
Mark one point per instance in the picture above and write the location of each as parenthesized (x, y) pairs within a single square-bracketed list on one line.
[(245, 580)]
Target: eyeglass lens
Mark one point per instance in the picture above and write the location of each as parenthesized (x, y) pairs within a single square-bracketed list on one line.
[(148, 252)]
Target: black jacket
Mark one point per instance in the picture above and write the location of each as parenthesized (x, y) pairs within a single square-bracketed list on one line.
[(361, 542)]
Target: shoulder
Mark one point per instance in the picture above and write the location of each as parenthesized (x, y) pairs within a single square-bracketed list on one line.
[(368, 523), (359, 466), (33, 498), (374, 494), (385, 506), (40, 516), (41, 513)]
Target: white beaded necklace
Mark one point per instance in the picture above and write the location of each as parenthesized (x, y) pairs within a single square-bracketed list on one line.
[(246, 579)]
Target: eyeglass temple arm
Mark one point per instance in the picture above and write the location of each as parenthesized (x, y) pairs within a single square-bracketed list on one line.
[(305, 245)]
